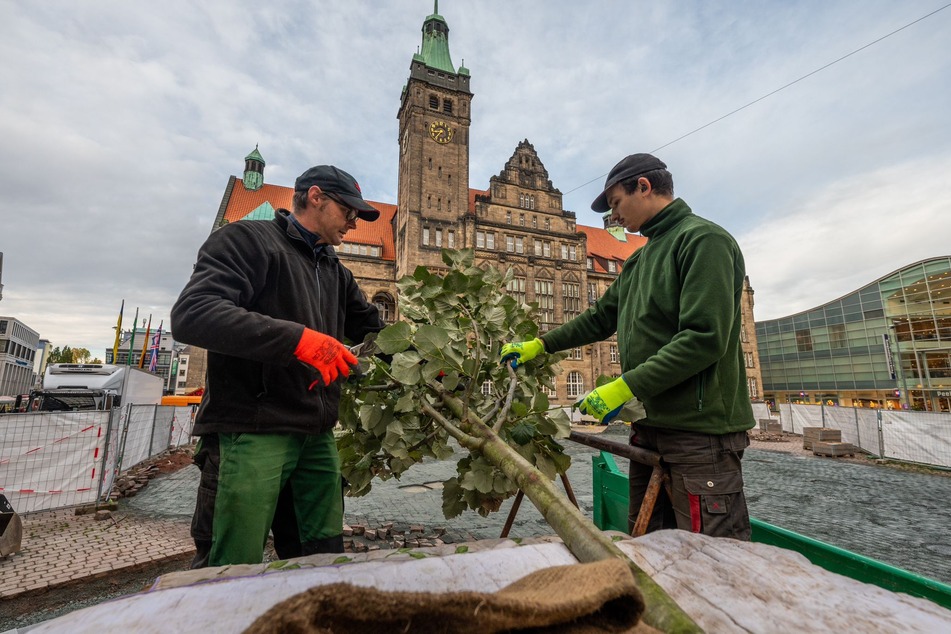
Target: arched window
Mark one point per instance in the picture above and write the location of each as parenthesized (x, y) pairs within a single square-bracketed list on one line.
[(575, 384), (387, 307)]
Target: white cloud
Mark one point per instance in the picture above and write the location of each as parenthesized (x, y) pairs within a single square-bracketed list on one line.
[(849, 234)]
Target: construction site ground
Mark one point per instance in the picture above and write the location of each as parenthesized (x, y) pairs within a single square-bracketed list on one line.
[(892, 512)]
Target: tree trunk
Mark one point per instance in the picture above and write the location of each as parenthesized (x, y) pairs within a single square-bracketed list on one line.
[(585, 541)]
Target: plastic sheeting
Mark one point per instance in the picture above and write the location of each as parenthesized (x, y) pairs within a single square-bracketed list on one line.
[(923, 437), (53, 460)]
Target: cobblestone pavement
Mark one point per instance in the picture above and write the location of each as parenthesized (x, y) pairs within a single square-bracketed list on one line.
[(894, 516)]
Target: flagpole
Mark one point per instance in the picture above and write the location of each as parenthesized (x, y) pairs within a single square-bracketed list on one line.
[(135, 321), (115, 346), (145, 343), (156, 342)]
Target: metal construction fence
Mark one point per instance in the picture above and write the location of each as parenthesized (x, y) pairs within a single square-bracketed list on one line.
[(923, 437), (52, 460)]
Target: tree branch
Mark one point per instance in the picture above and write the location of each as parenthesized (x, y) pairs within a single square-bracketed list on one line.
[(579, 535), (464, 439), (513, 382), (380, 388), (478, 367)]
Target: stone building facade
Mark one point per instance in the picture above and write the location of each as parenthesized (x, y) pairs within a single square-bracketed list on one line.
[(518, 221)]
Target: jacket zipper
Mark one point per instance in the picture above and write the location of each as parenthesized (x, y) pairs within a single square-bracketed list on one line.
[(700, 392)]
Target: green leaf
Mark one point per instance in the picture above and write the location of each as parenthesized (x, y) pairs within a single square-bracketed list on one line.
[(522, 432), (452, 502), (406, 403), (546, 466), (430, 340), (395, 338), (451, 380), (370, 415), (405, 367), (479, 478), (495, 316), (342, 560), (540, 402), (562, 423), (462, 550)]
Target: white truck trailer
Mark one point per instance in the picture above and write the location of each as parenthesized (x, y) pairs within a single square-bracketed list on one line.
[(95, 386)]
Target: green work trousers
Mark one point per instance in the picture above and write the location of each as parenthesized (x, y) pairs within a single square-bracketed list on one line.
[(254, 468)]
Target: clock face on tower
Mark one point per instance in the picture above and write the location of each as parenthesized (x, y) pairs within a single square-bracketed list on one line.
[(441, 132)]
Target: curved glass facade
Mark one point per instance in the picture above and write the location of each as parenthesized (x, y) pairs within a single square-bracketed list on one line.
[(888, 344)]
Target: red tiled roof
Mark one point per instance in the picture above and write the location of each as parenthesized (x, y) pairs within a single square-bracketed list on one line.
[(472, 196), (376, 233), (601, 244), (243, 202)]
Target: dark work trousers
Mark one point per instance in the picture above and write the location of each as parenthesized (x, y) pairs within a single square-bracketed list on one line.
[(706, 479), (283, 527)]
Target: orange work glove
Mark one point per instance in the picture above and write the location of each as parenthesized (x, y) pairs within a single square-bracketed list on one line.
[(329, 356)]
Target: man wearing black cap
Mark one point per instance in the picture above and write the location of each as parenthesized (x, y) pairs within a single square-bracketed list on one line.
[(271, 303), (676, 310)]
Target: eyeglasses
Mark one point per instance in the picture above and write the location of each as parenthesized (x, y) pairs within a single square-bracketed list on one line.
[(352, 214)]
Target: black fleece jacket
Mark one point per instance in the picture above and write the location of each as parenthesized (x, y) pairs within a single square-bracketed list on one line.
[(255, 287)]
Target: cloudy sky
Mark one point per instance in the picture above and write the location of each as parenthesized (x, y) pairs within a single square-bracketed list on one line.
[(122, 121)]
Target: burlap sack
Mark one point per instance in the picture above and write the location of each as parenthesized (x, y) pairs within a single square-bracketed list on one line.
[(575, 599)]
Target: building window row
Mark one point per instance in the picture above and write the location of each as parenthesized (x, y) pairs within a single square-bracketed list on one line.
[(516, 244), (429, 203), (526, 201), (434, 238), (360, 249), (485, 239)]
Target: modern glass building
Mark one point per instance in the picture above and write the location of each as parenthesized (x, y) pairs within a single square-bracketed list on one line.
[(888, 344)]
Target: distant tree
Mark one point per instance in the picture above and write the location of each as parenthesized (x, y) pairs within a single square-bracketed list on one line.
[(71, 355), (96, 360)]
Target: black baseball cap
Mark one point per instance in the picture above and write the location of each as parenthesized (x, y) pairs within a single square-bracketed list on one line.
[(335, 181), (629, 167)]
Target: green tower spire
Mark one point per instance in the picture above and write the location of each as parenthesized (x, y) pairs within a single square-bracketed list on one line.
[(435, 49), (254, 170)]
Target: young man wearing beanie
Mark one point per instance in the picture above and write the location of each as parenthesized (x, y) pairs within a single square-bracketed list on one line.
[(271, 303), (676, 310)]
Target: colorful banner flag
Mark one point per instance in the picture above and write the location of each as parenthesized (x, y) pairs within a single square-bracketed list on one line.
[(145, 342), (135, 322), (115, 346), (156, 341)]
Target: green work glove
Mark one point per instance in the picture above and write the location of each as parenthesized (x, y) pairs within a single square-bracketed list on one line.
[(523, 352), (606, 401)]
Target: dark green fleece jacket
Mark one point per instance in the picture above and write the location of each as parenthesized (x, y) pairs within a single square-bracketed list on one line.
[(676, 310)]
